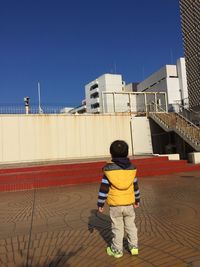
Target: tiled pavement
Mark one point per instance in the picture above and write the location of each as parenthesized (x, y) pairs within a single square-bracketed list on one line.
[(60, 226)]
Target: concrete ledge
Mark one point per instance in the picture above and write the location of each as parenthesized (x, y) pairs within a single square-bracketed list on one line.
[(194, 157), (170, 156)]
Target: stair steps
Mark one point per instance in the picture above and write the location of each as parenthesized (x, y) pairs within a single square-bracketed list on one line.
[(23, 178)]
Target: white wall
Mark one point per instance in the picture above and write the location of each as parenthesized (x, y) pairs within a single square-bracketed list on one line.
[(119, 102), (29, 138), (173, 92), (142, 143), (181, 69), (113, 82)]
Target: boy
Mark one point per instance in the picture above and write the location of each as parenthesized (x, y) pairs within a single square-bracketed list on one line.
[(119, 187)]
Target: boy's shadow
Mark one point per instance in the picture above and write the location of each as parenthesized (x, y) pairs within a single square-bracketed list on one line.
[(102, 223)]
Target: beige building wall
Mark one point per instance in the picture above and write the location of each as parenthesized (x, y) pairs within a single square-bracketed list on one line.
[(28, 138)]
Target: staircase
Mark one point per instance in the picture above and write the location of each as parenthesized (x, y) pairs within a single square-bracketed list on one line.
[(189, 114), (179, 124), (13, 179)]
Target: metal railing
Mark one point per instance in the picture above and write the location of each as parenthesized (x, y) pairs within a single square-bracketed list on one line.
[(34, 109), (190, 114), (182, 126), (113, 102)]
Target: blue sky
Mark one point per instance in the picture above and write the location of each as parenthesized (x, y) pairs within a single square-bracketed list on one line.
[(65, 44)]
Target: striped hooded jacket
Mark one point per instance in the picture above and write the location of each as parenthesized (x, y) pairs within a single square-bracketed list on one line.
[(119, 185)]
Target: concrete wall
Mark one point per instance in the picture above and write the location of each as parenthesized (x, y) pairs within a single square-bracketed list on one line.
[(27, 138), (141, 134)]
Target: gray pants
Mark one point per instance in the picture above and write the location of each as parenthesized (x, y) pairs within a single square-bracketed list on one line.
[(123, 219)]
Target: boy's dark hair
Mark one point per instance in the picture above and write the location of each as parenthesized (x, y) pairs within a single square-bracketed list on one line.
[(119, 148)]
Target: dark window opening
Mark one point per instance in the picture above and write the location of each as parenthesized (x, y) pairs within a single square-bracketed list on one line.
[(96, 105), (94, 86), (94, 95)]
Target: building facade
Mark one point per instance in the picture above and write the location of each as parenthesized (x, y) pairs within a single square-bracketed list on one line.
[(109, 94), (170, 79), (190, 21), (93, 92)]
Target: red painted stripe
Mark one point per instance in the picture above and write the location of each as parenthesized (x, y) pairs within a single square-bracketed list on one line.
[(78, 165), (58, 175)]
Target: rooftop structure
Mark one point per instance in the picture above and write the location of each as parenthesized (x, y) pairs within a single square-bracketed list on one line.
[(170, 79)]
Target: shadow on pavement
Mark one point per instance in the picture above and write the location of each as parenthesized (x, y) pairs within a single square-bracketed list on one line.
[(100, 222), (60, 259)]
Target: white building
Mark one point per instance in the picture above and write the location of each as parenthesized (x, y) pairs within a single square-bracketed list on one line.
[(80, 109), (66, 110), (93, 92), (109, 94), (170, 79)]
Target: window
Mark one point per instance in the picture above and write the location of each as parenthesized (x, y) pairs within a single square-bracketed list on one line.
[(96, 105), (94, 95), (82, 111), (94, 86)]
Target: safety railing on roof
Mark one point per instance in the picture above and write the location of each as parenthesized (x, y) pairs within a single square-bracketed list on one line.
[(33, 109)]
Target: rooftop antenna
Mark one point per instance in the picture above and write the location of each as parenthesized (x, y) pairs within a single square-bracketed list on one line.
[(39, 105)]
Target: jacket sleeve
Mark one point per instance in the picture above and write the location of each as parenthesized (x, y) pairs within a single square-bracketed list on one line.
[(103, 191), (136, 190)]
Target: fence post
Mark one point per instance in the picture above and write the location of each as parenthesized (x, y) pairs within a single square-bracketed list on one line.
[(113, 102)]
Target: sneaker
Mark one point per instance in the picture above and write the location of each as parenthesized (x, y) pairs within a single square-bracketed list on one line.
[(134, 251), (110, 252)]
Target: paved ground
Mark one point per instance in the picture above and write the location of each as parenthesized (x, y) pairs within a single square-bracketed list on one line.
[(60, 226)]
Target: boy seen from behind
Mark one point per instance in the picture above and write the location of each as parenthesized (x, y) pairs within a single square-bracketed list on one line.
[(119, 188)]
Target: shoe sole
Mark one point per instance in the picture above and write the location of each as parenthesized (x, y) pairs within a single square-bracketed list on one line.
[(110, 253)]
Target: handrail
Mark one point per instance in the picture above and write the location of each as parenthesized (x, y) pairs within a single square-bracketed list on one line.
[(175, 122), (180, 122), (191, 123), (156, 107), (185, 118), (188, 109)]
